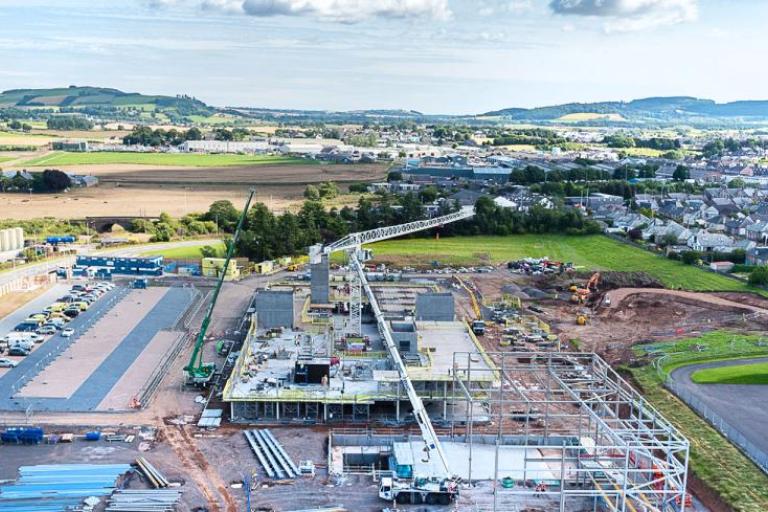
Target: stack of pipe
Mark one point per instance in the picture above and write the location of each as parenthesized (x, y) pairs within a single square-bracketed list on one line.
[(152, 500), (154, 476), (271, 454)]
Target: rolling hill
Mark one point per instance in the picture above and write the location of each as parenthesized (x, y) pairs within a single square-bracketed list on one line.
[(673, 109), (105, 102)]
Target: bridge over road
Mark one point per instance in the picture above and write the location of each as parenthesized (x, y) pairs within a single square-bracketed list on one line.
[(103, 224)]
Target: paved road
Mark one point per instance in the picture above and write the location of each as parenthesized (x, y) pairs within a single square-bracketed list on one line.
[(743, 406)]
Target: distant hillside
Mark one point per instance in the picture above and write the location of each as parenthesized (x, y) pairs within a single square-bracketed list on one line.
[(674, 109), (104, 102)]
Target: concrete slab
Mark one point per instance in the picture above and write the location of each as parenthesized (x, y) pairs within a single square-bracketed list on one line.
[(67, 372), (133, 380)]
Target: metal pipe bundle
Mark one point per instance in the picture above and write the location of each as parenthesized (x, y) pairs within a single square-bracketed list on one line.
[(155, 477), (157, 500), (271, 454)]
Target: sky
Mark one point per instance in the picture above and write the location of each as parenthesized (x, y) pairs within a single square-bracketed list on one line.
[(433, 56)]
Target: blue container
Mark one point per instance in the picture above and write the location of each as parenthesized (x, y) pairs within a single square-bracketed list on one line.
[(22, 435), (93, 436), (60, 239)]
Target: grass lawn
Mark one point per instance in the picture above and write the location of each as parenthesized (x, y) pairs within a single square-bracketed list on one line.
[(713, 458), (740, 374), (192, 252), (177, 159), (5, 158), (648, 152), (594, 252)]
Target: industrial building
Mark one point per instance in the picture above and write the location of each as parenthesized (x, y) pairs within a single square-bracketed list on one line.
[(106, 266), (11, 243)]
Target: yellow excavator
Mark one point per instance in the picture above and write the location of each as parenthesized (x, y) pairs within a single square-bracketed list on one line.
[(581, 295)]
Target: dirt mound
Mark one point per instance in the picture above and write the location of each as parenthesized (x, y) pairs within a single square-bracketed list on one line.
[(608, 281), (611, 280)]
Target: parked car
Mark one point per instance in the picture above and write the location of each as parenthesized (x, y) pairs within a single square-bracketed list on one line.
[(18, 350), (47, 330), (7, 363), (68, 332), (72, 312)]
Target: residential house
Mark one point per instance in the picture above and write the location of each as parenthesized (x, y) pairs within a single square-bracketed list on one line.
[(757, 256), (704, 241)]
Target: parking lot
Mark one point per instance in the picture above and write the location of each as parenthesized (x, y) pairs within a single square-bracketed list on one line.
[(77, 372)]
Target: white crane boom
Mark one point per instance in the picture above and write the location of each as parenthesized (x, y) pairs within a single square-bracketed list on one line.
[(422, 418), (355, 240), (352, 244)]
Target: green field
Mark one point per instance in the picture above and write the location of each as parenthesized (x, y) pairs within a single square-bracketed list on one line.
[(187, 253), (589, 116), (172, 159), (713, 458), (594, 252), (738, 374)]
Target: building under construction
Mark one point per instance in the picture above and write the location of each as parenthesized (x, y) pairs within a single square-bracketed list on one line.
[(562, 429)]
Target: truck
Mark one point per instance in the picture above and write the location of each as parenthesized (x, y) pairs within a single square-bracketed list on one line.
[(478, 327), (432, 491)]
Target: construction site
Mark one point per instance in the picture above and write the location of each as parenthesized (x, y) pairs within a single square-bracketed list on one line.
[(349, 385)]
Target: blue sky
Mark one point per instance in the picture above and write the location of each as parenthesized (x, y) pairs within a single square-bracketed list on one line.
[(435, 56)]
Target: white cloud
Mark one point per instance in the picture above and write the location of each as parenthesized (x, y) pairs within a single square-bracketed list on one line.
[(491, 7), (630, 15), (345, 11)]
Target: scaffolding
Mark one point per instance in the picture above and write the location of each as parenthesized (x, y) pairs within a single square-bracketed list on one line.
[(605, 441)]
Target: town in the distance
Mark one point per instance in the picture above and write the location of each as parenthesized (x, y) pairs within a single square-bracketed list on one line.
[(212, 305)]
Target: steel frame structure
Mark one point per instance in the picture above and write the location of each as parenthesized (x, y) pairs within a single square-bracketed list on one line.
[(610, 444)]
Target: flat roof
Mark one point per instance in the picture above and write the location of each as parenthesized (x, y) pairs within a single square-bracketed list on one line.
[(438, 341)]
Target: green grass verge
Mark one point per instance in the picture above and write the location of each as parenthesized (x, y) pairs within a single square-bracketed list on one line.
[(188, 252), (756, 373), (175, 159), (713, 458), (594, 252)]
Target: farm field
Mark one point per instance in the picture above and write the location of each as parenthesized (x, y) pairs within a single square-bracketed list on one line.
[(23, 139), (594, 252), (741, 374), (162, 159), (187, 252), (137, 200), (589, 116)]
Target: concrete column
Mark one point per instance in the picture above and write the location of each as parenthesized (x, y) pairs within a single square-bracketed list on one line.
[(319, 284)]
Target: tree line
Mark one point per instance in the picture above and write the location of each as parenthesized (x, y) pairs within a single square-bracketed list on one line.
[(267, 235), (626, 141), (69, 123), (146, 136)]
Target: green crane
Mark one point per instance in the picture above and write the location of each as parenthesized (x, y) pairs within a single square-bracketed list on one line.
[(197, 372)]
